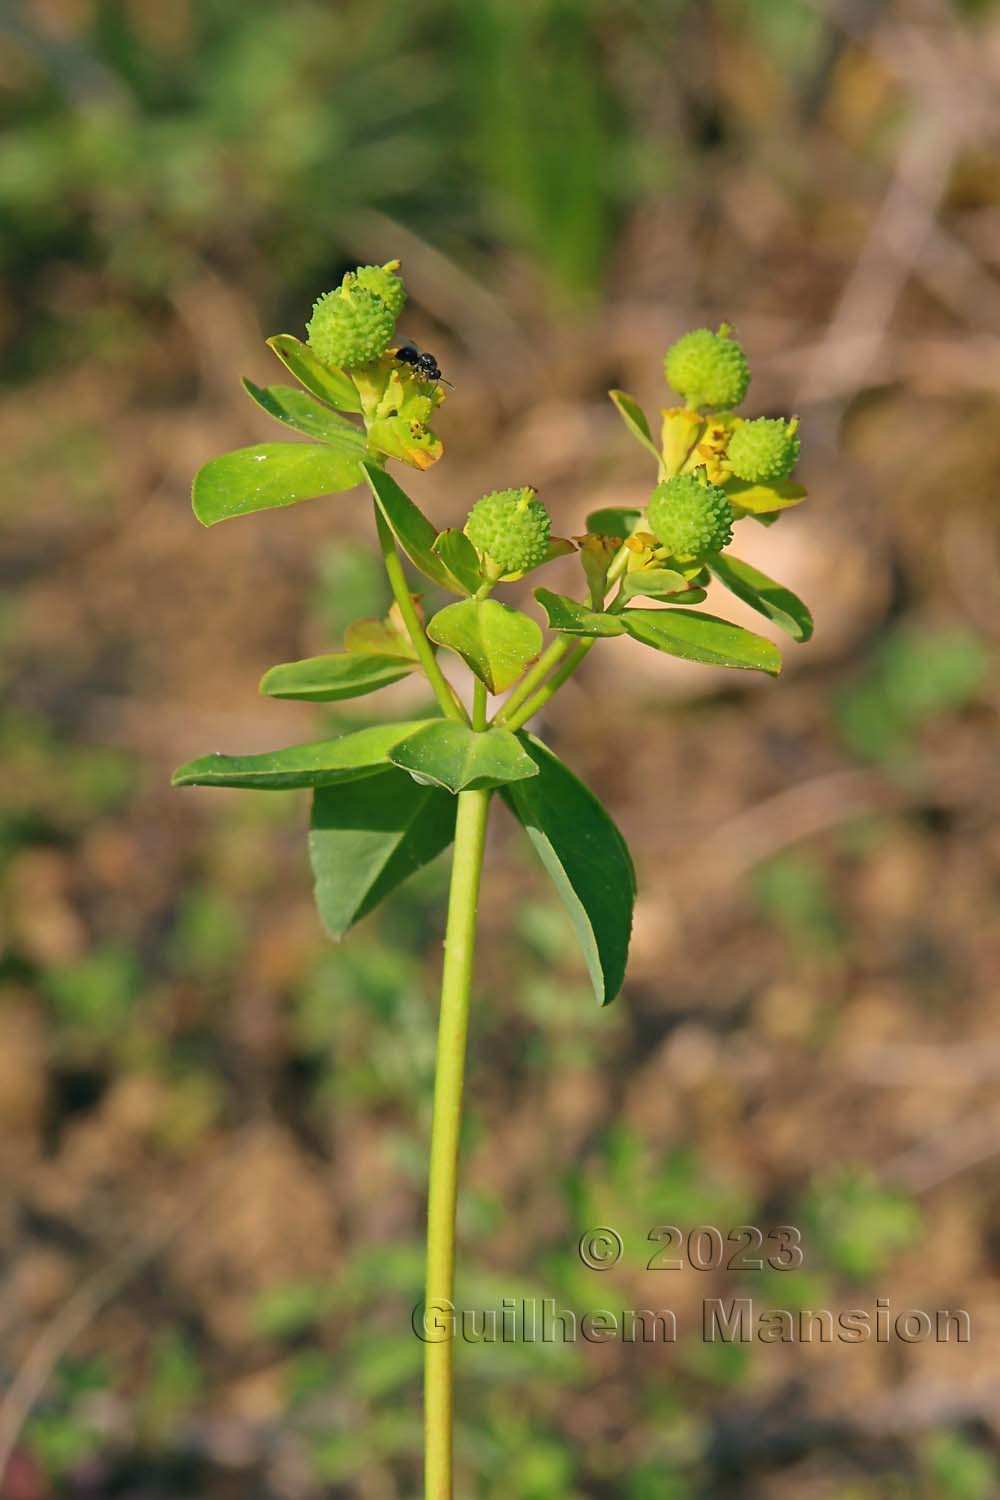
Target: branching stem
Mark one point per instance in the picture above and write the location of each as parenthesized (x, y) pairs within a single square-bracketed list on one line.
[(523, 690), (551, 687), (449, 704)]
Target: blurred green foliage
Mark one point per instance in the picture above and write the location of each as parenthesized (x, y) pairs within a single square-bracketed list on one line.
[(858, 1225), (61, 1433), (794, 891), (145, 142), (93, 995), (956, 1468), (918, 675)]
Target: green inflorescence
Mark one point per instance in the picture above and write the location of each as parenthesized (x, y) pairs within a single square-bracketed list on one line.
[(350, 326), (512, 527), (708, 369), (763, 450), (385, 282), (689, 518)]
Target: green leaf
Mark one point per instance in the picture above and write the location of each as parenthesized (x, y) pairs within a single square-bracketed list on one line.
[(455, 757), (366, 839), (764, 595), (269, 475), (410, 441), (654, 583), (690, 595), (380, 638), (325, 381), (576, 619), (587, 859), (634, 418), (342, 674), (762, 499), (297, 409), (349, 758), (411, 528), (700, 637), (615, 521), (495, 641), (460, 558)]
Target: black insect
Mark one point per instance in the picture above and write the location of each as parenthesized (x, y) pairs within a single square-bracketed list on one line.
[(423, 364)]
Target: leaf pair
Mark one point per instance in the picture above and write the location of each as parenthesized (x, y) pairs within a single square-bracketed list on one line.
[(379, 652), (383, 808), (383, 801), (270, 475), (436, 752), (365, 840), (689, 634)]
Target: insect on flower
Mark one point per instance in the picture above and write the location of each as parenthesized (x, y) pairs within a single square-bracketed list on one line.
[(424, 365)]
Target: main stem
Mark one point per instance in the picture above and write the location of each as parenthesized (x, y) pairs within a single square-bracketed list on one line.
[(442, 1194)]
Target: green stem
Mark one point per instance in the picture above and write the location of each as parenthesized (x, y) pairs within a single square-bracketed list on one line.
[(478, 704), (550, 688), (453, 1026), (531, 680), (450, 706)]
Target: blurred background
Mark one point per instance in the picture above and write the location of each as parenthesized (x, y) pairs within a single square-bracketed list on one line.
[(212, 1123)]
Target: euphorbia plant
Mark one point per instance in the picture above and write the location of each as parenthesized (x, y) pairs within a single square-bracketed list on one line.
[(389, 798)]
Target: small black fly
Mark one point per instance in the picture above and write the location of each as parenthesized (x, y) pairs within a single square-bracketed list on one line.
[(424, 365)]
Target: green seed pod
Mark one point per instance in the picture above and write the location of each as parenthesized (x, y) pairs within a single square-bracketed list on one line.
[(350, 326), (385, 282), (512, 527), (763, 450), (689, 518), (708, 369)]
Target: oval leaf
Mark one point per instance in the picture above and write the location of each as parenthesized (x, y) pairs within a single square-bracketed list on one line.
[(365, 839), (325, 381), (634, 418), (700, 637), (654, 583), (576, 619), (269, 475), (343, 674), (299, 410), (410, 441), (349, 758), (460, 558), (762, 499), (381, 637), (411, 528), (453, 756), (764, 595), (494, 640), (587, 859)]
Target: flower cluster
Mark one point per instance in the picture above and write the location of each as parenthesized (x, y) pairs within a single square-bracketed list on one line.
[(353, 325), (690, 517), (714, 467), (512, 528)]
